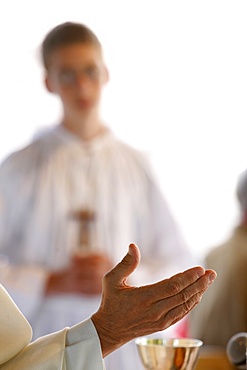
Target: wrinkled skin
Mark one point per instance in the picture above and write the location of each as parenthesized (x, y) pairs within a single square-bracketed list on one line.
[(127, 312)]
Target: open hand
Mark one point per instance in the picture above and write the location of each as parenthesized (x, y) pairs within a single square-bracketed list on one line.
[(127, 312)]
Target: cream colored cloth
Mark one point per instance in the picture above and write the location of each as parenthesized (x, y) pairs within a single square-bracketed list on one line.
[(15, 331), (42, 184), (76, 348)]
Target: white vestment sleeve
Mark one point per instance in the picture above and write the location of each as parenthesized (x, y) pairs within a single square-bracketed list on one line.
[(83, 350), (75, 348)]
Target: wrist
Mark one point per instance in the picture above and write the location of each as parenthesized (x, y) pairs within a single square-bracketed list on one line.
[(108, 342)]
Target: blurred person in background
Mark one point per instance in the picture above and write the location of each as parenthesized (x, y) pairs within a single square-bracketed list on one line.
[(223, 310), (73, 199)]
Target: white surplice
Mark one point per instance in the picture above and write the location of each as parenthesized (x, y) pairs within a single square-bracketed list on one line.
[(42, 185), (75, 348)]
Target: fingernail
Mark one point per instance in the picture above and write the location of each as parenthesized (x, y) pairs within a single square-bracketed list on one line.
[(212, 277), (200, 272), (130, 250)]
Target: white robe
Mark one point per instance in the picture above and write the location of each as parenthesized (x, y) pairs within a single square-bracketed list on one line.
[(42, 184), (75, 348)]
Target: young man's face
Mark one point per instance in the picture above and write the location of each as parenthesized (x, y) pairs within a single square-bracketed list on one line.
[(77, 74)]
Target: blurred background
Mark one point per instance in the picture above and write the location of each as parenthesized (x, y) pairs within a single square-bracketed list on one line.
[(177, 90)]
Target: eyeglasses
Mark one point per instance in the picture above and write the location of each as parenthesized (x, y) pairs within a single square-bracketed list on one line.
[(70, 77)]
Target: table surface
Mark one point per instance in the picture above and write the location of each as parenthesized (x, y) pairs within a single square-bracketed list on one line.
[(213, 358)]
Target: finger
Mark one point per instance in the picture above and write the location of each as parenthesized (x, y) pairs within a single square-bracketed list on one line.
[(179, 312), (163, 321), (201, 284), (177, 306), (170, 287), (119, 274), (187, 295)]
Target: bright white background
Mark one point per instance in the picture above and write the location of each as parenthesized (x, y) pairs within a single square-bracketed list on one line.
[(178, 90)]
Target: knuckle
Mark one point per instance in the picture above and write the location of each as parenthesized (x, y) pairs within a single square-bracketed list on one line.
[(173, 287), (162, 324), (197, 298), (154, 314), (144, 304), (187, 306), (192, 302), (166, 321), (158, 317), (184, 296), (107, 276)]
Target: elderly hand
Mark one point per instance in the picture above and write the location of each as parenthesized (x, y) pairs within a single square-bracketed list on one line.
[(127, 312)]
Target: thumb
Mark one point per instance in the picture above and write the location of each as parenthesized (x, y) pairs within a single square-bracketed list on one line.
[(127, 266)]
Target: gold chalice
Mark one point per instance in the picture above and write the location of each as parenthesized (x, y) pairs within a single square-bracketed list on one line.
[(168, 354)]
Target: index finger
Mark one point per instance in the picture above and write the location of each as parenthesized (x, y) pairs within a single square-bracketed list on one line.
[(169, 287)]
